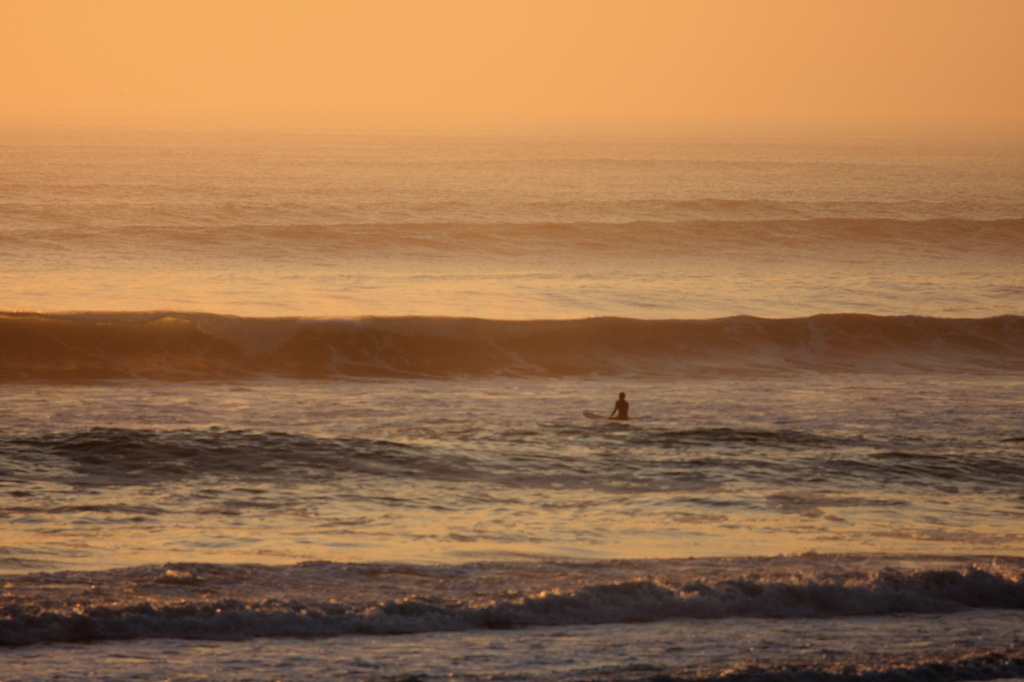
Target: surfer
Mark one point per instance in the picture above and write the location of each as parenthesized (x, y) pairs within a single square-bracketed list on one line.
[(621, 410)]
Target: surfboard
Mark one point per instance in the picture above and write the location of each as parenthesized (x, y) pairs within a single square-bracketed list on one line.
[(594, 415)]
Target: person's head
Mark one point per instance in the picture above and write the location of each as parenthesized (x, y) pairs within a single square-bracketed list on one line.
[(622, 396)]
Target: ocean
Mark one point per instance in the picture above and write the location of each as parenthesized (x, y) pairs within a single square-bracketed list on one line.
[(309, 406)]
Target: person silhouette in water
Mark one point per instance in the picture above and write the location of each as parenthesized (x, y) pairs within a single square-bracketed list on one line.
[(621, 410)]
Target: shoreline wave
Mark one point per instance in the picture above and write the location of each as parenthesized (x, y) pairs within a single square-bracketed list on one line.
[(225, 602), (173, 346)]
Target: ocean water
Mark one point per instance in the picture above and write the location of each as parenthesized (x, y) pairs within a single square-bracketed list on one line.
[(310, 406)]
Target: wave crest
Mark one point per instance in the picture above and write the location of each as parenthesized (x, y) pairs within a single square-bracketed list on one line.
[(183, 346)]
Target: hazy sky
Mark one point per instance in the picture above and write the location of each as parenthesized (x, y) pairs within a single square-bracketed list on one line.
[(543, 61)]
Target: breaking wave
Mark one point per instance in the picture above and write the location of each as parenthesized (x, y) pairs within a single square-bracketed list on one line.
[(185, 346), (27, 621)]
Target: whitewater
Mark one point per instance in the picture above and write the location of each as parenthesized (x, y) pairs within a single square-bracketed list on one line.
[(290, 406)]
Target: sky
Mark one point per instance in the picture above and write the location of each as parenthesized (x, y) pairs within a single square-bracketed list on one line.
[(512, 61)]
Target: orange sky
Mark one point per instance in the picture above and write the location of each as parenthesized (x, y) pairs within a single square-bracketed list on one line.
[(528, 61)]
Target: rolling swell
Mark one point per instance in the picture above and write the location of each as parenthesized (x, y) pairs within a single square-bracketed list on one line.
[(187, 346)]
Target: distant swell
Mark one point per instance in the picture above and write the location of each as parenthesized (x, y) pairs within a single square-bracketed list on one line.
[(890, 592), (183, 346), (705, 226)]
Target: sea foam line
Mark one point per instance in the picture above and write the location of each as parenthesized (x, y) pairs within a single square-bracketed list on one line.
[(642, 600)]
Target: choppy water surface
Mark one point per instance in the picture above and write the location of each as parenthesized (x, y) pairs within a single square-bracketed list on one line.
[(431, 470)]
